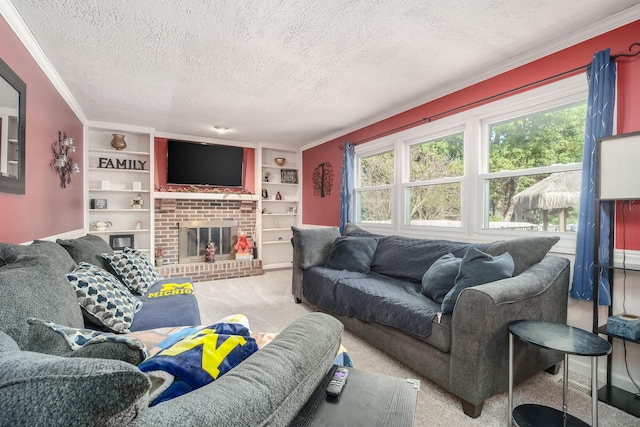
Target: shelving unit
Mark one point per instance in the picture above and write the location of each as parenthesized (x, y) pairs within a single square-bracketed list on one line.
[(616, 179), (275, 217), (112, 176)]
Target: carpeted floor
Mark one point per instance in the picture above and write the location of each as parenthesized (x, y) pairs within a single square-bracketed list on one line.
[(267, 302)]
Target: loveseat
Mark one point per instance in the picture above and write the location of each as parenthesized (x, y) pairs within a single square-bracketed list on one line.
[(440, 307), (45, 382)]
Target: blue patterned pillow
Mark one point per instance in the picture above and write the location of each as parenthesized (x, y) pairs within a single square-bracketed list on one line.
[(134, 269), (102, 297), (146, 264)]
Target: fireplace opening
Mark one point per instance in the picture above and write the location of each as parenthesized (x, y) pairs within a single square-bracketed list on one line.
[(193, 237)]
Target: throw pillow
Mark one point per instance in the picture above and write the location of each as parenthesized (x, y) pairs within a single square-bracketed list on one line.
[(87, 248), (40, 389), (352, 253), (38, 248), (145, 263), (311, 246), (132, 270), (102, 298), (35, 286), (477, 268), (440, 277), (525, 251)]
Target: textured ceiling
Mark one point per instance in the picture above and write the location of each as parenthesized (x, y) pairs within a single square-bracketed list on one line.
[(290, 72)]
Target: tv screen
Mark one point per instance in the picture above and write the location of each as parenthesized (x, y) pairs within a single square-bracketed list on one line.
[(193, 163)]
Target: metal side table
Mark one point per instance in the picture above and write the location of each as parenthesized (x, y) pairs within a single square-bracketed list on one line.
[(569, 340)]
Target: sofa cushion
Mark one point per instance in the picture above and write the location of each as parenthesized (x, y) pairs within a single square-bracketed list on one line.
[(133, 270), (33, 286), (478, 268), (39, 389), (352, 253), (102, 298), (10, 252), (525, 251), (312, 245), (440, 277), (87, 248)]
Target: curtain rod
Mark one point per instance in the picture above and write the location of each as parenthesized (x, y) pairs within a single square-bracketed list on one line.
[(489, 98)]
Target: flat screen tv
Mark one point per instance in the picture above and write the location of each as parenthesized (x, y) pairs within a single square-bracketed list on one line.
[(194, 163)]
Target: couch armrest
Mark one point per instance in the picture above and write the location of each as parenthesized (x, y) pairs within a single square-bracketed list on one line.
[(479, 333), (268, 388), (311, 247)]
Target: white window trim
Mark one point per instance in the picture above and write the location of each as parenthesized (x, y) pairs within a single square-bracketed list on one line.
[(474, 123)]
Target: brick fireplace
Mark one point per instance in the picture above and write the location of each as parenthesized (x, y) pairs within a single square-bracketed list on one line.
[(169, 213)]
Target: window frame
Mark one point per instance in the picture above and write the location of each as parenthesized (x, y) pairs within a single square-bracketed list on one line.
[(474, 124)]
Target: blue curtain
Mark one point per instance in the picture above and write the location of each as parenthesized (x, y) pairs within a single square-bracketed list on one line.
[(602, 85), (346, 187)]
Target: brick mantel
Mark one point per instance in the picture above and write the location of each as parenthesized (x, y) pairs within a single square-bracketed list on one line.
[(169, 212)]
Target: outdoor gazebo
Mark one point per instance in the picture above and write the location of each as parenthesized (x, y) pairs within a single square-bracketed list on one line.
[(559, 191)]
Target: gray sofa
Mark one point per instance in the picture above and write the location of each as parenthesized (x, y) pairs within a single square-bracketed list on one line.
[(379, 297), (45, 383)]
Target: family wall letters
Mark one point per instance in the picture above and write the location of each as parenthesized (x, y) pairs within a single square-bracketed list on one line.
[(106, 163)]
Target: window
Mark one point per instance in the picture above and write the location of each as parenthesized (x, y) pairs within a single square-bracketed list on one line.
[(433, 194), (534, 166), (374, 197), (511, 166)]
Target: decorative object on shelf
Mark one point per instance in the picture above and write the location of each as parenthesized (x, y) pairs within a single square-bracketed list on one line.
[(206, 190), (280, 161), (118, 141), (210, 252), (138, 225), (289, 176), (625, 325), (105, 185), (62, 162), (158, 256), (136, 186), (265, 211), (101, 225), (266, 176), (278, 196), (137, 202), (98, 204), (293, 210), (120, 241), (265, 193)]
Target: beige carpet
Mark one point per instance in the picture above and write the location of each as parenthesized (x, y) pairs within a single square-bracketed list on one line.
[(267, 302)]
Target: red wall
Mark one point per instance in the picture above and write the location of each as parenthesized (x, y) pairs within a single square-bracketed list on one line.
[(45, 209), (325, 211)]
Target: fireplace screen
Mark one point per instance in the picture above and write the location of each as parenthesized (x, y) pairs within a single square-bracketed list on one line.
[(194, 236)]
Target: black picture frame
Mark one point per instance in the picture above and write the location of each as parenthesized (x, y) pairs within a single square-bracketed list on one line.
[(120, 241), (289, 176)]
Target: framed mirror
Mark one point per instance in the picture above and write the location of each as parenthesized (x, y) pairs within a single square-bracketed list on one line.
[(13, 108)]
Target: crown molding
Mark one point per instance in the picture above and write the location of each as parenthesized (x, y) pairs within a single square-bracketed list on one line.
[(19, 27), (610, 23)]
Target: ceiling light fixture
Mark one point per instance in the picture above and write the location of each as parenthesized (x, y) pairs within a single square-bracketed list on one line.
[(220, 129)]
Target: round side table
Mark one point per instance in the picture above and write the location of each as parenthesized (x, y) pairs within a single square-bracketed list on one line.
[(569, 340)]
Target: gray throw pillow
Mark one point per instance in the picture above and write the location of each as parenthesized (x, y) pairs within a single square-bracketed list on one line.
[(44, 390), (352, 253), (440, 277), (477, 268), (35, 287), (10, 252), (87, 248), (526, 251), (312, 245)]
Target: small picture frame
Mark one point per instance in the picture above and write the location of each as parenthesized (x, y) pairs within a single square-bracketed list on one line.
[(105, 185), (289, 176), (137, 186), (98, 204), (120, 241)]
